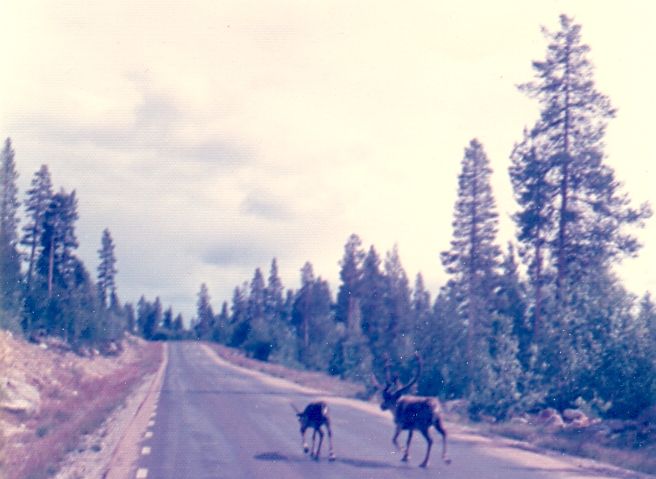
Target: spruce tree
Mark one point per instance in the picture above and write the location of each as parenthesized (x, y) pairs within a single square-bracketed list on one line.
[(273, 295), (350, 275), (586, 212), (106, 270), (398, 331), (10, 276), (533, 192), (311, 315), (39, 197), (474, 256), (204, 314), (374, 311), (58, 241)]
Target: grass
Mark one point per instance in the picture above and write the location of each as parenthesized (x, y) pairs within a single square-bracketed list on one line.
[(583, 443), (77, 406)]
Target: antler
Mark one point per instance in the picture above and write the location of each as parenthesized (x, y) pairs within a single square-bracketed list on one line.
[(412, 382)]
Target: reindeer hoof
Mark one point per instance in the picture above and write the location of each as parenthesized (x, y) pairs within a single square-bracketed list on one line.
[(447, 461), (331, 458), (404, 459), (316, 458), (306, 449), (424, 465)]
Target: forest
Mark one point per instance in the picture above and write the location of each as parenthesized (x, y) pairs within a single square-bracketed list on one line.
[(541, 321)]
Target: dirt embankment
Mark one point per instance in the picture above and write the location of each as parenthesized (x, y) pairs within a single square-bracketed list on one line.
[(52, 400)]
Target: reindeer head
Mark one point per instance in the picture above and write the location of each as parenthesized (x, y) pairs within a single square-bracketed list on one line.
[(391, 393), (303, 418)]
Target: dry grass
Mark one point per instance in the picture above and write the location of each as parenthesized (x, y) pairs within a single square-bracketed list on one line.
[(587, 443), (74, 402)]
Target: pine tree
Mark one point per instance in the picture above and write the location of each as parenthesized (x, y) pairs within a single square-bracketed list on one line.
[(421, 309), (239, 323), (149, 317), (587, 213), (10, 276), (303, 309), (130, 318), (58, 241), (375, 315), (350, 275), (167, 320), (474, 256), (533, 192), (260, 342), (273, 295), (204, 314), (221, 325), (106, 270), (398, 304), (39, 197), (311, 315), (511, 301), (352, 358)]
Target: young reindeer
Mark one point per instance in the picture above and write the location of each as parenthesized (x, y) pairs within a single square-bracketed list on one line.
[(412, 412), (314, 416)]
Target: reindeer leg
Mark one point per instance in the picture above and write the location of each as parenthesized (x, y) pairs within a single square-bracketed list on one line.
[(304, 445), (331, 456), (316, 456), (426, 435), (396, 437), (314, 436), (438, 425), (407, 447)]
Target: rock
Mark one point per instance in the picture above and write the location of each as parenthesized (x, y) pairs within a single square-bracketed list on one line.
[(554, 423), (550, 420), (18, 397), (519, 420), (570, 415)]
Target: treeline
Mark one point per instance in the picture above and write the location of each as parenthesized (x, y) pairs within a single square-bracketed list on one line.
[(542, 322), (45, 289)]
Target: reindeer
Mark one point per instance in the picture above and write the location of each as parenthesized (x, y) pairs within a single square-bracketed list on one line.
[(314, 416), (412, 412)]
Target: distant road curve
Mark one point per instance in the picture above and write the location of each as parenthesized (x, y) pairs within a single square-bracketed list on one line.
[(216, 420)]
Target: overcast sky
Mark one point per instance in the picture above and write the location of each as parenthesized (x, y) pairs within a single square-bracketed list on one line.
[(211, 136)]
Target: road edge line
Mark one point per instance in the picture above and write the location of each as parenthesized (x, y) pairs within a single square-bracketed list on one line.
[(125, 454)]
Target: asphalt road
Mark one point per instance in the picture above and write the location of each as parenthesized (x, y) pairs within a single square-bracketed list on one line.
[(215, 420)]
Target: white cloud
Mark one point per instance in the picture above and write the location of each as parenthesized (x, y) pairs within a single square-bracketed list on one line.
[(212, 136)]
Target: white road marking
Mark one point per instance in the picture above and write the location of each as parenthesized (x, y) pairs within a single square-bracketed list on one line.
[(145, 451), (149, 434), (142, 473)]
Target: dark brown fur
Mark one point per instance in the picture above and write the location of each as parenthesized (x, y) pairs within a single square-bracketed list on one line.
[(414, 413), (314, 416)]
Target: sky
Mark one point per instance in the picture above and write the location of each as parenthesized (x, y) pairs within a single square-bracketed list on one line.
[(212, 136)]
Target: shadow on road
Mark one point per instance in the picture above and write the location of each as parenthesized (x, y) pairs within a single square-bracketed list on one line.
[(277, 457)]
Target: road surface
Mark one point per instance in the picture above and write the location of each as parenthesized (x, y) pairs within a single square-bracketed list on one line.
[(215, 420)]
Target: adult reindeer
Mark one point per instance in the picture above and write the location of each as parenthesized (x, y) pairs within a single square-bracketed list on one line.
[(315, 415), (412, 412)]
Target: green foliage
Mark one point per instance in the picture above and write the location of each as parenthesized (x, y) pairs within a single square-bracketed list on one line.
[(10, 274)]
